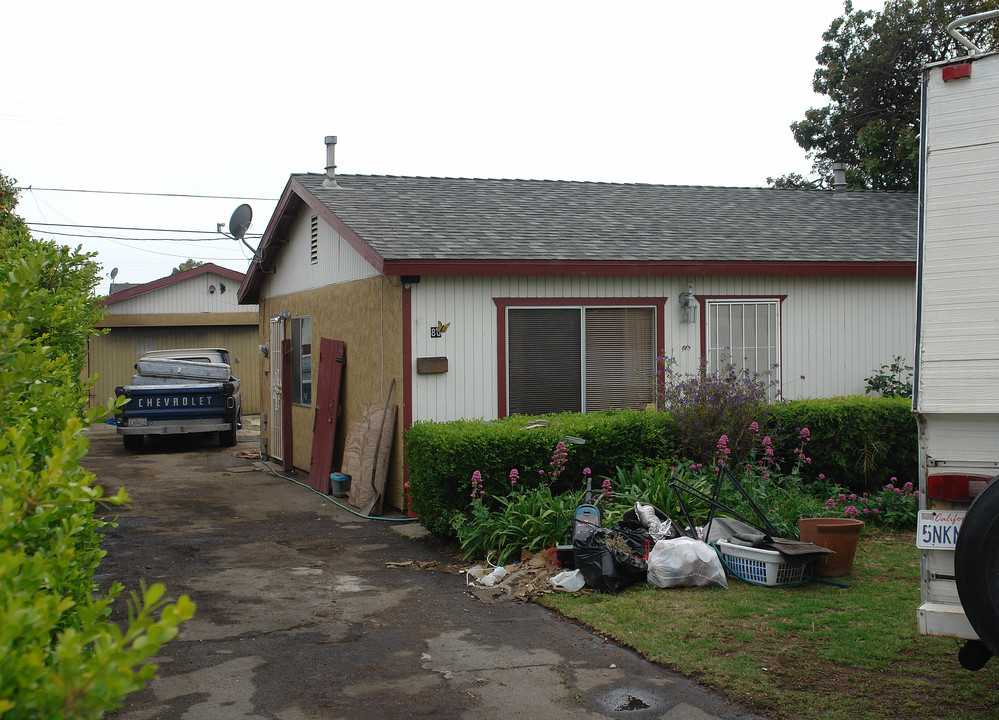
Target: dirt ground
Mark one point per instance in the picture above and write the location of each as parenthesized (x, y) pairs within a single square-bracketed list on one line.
[(305, 611)]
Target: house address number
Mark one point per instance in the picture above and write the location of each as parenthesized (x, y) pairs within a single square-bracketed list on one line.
[(438, 330)]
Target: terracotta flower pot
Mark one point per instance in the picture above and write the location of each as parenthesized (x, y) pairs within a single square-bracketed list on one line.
[(839, 535)]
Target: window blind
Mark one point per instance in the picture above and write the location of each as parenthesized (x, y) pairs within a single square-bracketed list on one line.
[(620, 357), (545, 360)]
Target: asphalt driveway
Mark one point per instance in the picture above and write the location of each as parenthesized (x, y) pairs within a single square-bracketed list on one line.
[(303, 609)]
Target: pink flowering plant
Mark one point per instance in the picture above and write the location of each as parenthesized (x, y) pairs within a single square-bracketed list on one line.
[(895, 506), (772, 481), (501, 526)]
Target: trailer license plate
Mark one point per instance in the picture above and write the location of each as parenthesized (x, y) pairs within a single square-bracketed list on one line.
[(138, 422), (938, 529)]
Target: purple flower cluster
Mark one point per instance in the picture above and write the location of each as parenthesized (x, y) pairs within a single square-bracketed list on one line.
[(719, 398)]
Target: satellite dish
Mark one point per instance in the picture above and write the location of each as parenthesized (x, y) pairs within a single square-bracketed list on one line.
[(239, 223), (114, 273)]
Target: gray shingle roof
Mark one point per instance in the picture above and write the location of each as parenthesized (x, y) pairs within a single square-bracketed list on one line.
[(413, 218)]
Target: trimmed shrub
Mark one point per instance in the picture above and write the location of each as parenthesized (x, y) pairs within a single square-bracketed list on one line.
[(443, 455), (857, 442)]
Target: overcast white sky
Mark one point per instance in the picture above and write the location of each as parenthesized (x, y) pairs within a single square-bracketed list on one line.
[(229, 99)]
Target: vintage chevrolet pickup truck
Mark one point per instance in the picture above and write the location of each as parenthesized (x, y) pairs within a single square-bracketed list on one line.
[(180, 391)]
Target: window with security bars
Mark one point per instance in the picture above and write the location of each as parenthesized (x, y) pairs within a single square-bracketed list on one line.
[(745, 333), (580, 359)]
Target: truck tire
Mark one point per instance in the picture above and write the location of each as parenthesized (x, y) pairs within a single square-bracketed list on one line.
[(227, 438), (976, 565), (132, 443)]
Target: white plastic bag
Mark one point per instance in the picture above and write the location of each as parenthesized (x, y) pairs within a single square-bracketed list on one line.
[(685, 562), (494, 577), (568, 581)]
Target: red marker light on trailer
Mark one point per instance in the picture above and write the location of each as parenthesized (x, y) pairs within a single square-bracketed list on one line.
[(956, 72), (955, 488)]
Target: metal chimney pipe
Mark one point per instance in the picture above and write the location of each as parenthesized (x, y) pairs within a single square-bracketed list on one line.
[(330, 180), (839, 176)]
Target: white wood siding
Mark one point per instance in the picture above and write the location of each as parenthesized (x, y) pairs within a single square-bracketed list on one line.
[(834, 331), (187, 296), (337, 262), (959, 334)]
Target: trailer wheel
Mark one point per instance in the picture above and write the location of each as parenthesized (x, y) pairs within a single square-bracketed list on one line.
[(976, 565), (132, 443)]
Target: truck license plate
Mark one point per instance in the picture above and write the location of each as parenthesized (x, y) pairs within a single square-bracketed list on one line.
[(138, 422), (938, 529)]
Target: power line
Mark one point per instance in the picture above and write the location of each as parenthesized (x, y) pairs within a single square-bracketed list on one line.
[(31, 188), (136, 239), (120, 227)]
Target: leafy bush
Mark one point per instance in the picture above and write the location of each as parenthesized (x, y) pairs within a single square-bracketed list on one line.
[(892, 380), (856, 440), (525, 519), (712, 402), (652, 485), (894, 506), (59, 654), (443, 455)]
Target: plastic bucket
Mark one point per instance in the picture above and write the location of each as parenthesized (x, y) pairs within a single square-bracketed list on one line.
[(839, 535), (339, 484)]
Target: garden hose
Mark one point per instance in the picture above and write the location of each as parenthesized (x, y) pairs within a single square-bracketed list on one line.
[(344, 507)]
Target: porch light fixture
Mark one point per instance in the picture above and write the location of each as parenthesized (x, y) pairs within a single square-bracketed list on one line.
[(688, 307)]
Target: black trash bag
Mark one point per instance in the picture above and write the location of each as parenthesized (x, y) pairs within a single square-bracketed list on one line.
[(637, 535), (605, 568)]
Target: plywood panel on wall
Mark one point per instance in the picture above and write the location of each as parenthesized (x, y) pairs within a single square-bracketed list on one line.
[(366, 315)]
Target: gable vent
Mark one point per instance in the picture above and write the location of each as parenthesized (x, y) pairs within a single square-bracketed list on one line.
[(314, 248)]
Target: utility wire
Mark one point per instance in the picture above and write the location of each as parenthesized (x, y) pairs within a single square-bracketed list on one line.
[(31, 188), (120, 227), (137, 239)]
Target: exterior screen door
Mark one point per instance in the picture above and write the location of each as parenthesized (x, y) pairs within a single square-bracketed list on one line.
[(275, 447)]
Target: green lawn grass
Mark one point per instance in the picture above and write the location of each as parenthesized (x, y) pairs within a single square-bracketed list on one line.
[(813, 651)]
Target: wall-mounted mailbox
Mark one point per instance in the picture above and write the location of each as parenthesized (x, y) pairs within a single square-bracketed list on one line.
[(431, 365)]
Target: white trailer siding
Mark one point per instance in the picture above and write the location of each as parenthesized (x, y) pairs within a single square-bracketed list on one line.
[(834, 331), (959, 264), (957, 387)]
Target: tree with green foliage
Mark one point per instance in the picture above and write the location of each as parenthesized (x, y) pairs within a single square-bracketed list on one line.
[(188, 264), (63, 306), (870, 69), (60, 655)]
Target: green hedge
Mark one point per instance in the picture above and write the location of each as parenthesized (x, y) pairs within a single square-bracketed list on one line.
[(60, 655), (858, 442), (443, 455)]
